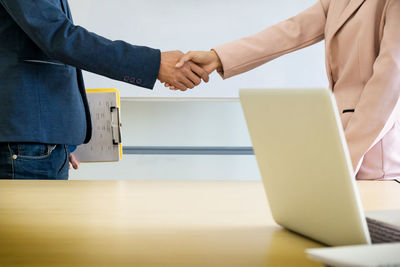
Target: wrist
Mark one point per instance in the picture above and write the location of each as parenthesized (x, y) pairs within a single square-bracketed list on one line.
[(161, 72), (216, 60)]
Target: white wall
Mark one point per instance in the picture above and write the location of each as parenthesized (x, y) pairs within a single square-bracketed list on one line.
[(187, 122)]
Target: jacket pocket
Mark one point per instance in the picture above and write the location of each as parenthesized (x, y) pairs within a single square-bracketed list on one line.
[(345, 117), (37, 61)]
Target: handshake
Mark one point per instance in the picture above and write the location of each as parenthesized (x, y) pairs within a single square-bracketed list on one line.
[(181, 72)]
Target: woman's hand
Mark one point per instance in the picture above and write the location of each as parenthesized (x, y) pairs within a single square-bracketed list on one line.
[(208, 60)]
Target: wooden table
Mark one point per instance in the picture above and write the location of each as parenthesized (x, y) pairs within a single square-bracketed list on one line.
[(152, 223)]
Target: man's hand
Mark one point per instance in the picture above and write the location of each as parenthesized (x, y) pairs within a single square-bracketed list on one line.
[(209, 61), (187, 76), (73, 162)]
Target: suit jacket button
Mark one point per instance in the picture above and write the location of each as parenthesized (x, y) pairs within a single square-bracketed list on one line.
[(126, 78), (138, 81), (132, 80)]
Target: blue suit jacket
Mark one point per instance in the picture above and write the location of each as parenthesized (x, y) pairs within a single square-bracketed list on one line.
[(42, 94)]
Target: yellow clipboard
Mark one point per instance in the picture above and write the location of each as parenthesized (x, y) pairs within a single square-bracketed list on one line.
[(106, 143)]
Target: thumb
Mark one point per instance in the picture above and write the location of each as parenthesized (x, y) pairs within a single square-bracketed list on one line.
[(184, 59), (73, 161)]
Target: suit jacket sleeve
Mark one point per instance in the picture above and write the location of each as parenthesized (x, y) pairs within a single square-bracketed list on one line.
[(51, 30), (305, 29), (376, 111)]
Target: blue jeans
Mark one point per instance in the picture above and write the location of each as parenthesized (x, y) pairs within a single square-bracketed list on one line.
[(34, 161)]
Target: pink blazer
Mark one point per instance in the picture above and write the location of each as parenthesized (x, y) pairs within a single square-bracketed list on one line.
[(362, 41)]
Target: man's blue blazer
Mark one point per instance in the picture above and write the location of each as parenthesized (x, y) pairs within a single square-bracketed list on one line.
[(42, 94)]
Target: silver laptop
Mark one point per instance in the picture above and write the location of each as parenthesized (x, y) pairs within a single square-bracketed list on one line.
[(306, 168)]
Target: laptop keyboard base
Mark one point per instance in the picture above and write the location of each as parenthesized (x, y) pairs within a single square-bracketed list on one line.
[(381, 232)]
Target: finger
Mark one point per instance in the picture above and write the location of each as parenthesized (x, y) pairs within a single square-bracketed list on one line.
[(74, 161), (184, 59), (200, 72), (172, 88), (186, 82), (191, 76), (70, 165), (180, 86), (75, 165)]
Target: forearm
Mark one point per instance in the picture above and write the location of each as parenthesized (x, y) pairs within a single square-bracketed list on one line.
[(295, 33), (50, 29), (117, 60)]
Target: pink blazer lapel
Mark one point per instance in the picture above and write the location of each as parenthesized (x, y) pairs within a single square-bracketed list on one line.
[(348, 11)]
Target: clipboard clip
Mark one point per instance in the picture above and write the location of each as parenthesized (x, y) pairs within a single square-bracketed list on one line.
[(115, 125)]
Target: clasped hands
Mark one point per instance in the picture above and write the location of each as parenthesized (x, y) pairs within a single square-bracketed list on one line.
[(180, 71)]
